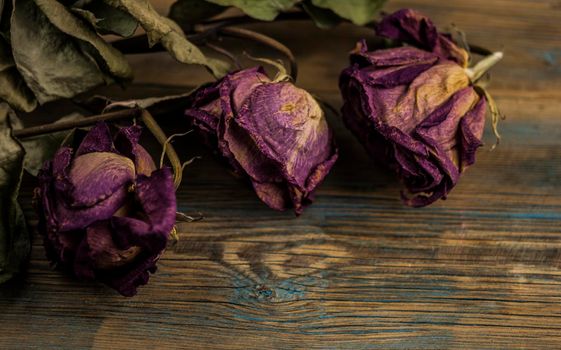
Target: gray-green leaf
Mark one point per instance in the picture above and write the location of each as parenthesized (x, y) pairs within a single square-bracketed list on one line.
[(107, 19), (52, 62), (39, 149), (161, 29), (265, 10), (14, 236), (109, 58), (323, 18), (359, 12), (13, 89), (193, 11)]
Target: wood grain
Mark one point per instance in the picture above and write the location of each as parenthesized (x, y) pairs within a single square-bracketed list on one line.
[(358, 270)]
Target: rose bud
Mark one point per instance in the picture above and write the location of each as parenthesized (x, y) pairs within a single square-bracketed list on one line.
[(417, 109), (269, 131), (105, 211)]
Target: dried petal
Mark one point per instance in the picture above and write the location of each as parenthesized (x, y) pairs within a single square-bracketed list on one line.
[(418, 30)]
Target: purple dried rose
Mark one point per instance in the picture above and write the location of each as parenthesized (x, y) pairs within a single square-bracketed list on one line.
[(416, 108), (105, 211), (271, 132)]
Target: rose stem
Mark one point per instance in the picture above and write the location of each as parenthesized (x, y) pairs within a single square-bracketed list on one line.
[(226, 53), (483, 66), (139, 44), (88, 121), (301, 15), (265, 40), (233, 20), (159, 134)]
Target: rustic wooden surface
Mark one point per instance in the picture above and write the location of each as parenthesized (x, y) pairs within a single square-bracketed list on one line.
[(357, 270)]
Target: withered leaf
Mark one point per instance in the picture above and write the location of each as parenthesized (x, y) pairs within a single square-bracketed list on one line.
[(161, 29), (193, 11), (265, 10), (14, 236), (57, 54), (13, 89), (359, 12), (106, 19)]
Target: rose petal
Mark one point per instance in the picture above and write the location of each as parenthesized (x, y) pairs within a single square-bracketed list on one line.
[(103, 251), (399, 56), (76, 218), (98, 139), (418, 30), (96, 176), (288, 126), (126, 140), (472, 125)]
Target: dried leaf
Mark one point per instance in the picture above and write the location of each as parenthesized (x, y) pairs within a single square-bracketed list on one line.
[(13, 89), (63, 58), (14, 237), (163, 30), (359, 12), (193, 11), (41, 148), (323, 18), (111, 59), (107, 19), (265, 10)]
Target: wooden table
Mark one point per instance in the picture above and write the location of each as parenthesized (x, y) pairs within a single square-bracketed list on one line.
[(358, 269)]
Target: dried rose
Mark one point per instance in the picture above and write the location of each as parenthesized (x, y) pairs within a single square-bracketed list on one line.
[(416, 109), (105, 211), (272, 132)]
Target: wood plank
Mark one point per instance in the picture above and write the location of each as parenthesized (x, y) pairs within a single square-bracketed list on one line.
[(358, 270)]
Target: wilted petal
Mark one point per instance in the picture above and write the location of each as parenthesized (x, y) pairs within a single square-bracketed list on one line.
[(77, 218), (440, 129), (103, 251), (235, 88), (98, 139), (289, 127), (205, 109), (399, 56), (275, 195), (151, 227), (126, 143), (96, 176), (127, 139), (156, 196), (245, 156), (472, 126), (418, 30), (429, 90), (126, 281), (143, 161)]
